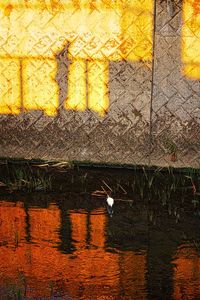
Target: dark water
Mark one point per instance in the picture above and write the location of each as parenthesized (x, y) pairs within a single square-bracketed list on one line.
[(68, 247)]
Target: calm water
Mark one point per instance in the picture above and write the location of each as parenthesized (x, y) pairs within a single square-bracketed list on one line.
[(68, 247)]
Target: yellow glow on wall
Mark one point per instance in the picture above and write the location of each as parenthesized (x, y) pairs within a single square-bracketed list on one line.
[(39, 85), (77, 86), (10, 96), (191, 38), (33, 32)]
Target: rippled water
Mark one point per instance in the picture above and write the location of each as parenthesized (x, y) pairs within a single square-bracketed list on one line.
[(61, 247)]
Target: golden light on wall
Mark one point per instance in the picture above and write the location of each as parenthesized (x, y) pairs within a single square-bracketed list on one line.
[(33, 32), (191, 39)]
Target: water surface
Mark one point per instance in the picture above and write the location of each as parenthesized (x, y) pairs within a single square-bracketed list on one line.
[(69, 247)]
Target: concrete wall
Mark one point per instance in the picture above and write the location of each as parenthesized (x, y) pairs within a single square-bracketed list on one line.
[(153, 118)]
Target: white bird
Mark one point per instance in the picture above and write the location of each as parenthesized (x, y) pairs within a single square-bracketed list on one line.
[(110, 201)]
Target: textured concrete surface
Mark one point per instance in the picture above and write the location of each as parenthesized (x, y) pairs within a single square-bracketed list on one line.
[(176, 99), (156, 124)]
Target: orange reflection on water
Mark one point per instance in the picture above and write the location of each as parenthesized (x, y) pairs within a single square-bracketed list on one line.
[(44, 224), (98, 224), (133, 274), (191, 38), (94, 262), (12, 229), (90, 271), (79, 229), (187, 273), (32, 33)]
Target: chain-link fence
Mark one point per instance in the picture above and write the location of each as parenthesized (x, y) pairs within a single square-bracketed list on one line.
[(102, 81)]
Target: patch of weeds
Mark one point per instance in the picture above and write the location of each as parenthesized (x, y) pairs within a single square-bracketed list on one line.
[(171, 148), (21, 178)]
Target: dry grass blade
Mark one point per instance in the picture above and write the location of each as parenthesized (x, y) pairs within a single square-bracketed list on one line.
[(61, 164), (125, 200), (99, 193), (102, 194), (107, 185), (193, 185), (41, 165), (125, 192), (104, 190)]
